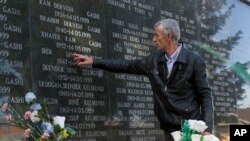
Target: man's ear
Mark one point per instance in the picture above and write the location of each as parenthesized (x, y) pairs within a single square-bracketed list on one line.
[(169, 36)]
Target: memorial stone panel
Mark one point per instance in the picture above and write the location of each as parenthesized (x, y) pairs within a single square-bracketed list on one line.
[(14, 51), (129, 37), (60, 28), (216, 48), (14, 59)]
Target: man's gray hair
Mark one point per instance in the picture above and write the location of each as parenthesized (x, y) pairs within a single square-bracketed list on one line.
[(169, 25)]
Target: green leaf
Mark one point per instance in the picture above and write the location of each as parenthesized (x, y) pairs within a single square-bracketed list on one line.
[(57, 128), (70, 130), (202, 138)]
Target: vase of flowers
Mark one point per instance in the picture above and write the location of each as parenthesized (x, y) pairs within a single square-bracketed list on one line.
[(39, 125)]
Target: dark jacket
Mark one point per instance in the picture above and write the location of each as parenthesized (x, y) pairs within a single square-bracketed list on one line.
[(184, 95)]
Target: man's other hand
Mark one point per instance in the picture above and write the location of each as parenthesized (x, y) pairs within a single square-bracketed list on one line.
[(206, 133)]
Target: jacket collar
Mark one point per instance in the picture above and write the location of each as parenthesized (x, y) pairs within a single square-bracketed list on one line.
[(183, 54), (162, 58), (181, 57)]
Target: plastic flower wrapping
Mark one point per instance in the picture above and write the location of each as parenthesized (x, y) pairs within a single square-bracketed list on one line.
[(38, 124), (191, 130)]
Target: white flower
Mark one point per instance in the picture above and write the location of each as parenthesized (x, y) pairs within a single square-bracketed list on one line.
[(59, 120), (210, 138), (197, 125), (176, 135), (195, 137), (29, 97), (34, 116)]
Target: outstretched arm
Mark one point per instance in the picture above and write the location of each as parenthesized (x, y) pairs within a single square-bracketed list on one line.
[(121, 66)]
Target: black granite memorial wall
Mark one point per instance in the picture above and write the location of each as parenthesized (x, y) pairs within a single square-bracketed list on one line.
[(38, 37)]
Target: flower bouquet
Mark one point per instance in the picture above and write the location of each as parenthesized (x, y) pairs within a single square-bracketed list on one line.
[(191, 130), (39, 125)]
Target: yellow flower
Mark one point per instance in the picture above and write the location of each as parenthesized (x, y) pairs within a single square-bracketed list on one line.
[(41, 139), (65, 134)]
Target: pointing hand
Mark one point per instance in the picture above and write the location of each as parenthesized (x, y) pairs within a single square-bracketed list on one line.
[(82, 60)]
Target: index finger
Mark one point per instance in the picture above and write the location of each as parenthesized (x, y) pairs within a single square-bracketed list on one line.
[(75, 54)]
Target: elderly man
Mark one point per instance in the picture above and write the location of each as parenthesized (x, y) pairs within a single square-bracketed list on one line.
[(177, 75)]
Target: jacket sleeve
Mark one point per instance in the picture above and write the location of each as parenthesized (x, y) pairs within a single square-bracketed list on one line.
[(204, 93), (137, 66)]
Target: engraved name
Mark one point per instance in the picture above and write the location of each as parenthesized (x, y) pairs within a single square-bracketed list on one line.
[(13, 28), (49, 19), (11, 10)]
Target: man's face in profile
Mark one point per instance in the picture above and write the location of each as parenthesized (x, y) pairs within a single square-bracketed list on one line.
[(160, 39)]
